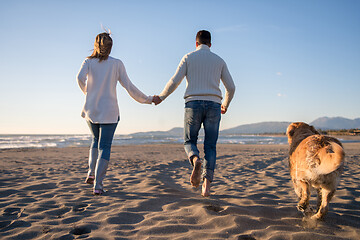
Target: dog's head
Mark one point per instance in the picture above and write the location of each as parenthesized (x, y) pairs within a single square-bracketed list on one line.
[(299, 127)]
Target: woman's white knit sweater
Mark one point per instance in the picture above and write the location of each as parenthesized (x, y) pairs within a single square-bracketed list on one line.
[(98, 81)]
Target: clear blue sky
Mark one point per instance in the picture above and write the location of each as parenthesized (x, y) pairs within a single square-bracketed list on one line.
[(290, 60)]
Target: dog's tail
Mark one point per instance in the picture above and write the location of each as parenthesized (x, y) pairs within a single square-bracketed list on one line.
[(331, 158)]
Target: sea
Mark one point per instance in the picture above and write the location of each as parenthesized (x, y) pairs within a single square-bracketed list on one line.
[(61, 141)]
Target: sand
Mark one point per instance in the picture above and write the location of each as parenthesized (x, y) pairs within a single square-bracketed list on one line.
[(43, 196)]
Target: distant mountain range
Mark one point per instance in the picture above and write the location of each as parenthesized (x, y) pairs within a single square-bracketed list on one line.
[(177, 131), (258, 128), (323, 123), (336, 123)]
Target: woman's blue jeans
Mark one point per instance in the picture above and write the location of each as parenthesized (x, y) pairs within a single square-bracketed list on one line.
[(208, 114), (102, 137)]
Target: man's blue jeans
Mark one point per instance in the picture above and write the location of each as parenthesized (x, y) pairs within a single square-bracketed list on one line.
[(208, 113), (102, 137)]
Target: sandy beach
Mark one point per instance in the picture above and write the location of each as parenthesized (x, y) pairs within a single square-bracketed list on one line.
[(43, 196)]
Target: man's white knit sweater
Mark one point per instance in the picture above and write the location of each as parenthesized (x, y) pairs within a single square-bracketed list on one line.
[(203, 70)]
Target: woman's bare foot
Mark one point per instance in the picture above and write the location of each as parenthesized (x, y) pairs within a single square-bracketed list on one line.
[(195, 177), (206, 188)]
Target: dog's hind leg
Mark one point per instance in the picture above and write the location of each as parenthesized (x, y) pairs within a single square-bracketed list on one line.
[(319, 199), (326, 196), (305, 196), (297, 188)]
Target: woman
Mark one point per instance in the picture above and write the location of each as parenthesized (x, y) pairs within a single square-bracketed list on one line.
[(97, 78)]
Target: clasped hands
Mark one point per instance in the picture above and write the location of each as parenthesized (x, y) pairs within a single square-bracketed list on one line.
[(157, 100)]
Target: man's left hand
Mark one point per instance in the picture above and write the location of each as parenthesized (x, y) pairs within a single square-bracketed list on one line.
[(223, 109)]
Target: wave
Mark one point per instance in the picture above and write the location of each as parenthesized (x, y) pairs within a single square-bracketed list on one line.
[(84, 140), (45, 141), (42, 141)]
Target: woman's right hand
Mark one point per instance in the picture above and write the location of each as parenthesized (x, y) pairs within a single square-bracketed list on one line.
[(156, 99)]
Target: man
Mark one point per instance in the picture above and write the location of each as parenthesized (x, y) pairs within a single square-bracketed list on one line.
[(203, 70)]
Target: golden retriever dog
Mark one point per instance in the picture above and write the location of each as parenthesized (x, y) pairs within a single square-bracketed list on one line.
[(315, 161)]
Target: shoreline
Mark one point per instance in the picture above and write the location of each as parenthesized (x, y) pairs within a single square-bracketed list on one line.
[(343, 139), (43, 196)]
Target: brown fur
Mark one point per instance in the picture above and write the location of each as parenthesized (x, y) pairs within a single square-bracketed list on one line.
[(315, 161)]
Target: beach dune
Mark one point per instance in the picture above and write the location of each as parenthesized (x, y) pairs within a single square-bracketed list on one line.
[(43, 196)]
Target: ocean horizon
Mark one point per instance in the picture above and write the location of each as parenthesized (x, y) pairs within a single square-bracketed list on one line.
[(14, 141)]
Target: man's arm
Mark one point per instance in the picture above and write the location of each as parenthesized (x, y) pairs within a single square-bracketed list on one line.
[(175, 81), (229, 87)]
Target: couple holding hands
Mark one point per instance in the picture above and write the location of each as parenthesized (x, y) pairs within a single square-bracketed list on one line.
[(98, 77)]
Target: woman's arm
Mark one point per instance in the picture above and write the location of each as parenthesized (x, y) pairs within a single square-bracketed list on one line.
[(82, 76), (133, 91)]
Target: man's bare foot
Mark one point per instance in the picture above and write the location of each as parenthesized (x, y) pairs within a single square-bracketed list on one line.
[(206, 188), (195, 177)]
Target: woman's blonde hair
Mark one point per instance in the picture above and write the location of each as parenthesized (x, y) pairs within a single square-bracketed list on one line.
[(102, 46)]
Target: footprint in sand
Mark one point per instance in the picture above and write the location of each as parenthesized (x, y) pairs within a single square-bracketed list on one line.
[(9, 217), (246, 237), (80, 207), (214, 208), (125, 218), (41, 187), (81, 230), (58, 212), (12, 212)]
